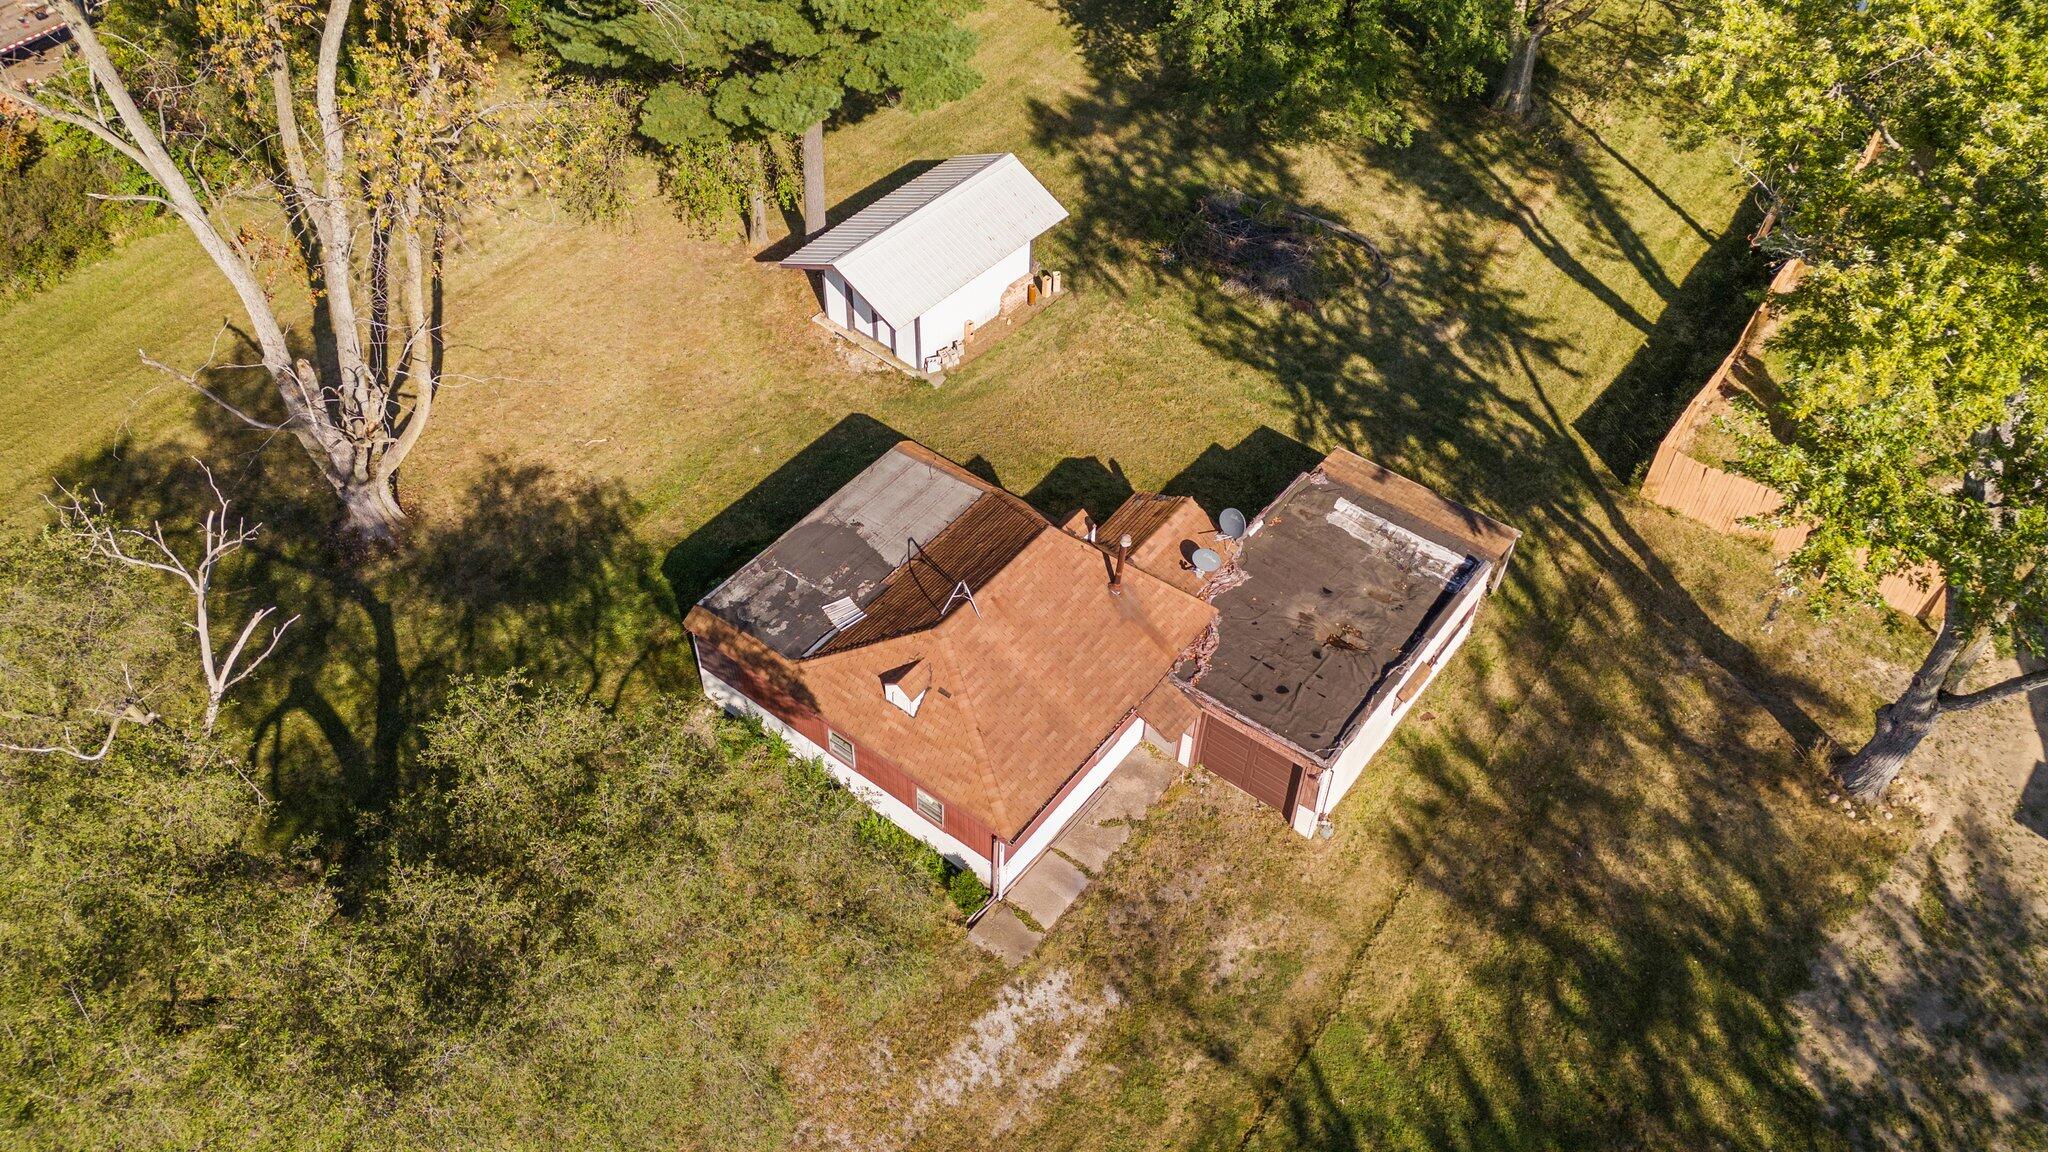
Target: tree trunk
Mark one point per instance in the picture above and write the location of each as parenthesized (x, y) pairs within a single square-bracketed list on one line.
[(371, 515), (757, 219), (814, 179), (1517, 96), (1905, 722)]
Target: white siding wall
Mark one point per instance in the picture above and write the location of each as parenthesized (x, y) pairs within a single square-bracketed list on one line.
[(1338, 779), (835, 296), (1120, 746), (900, 814), (978, 300)]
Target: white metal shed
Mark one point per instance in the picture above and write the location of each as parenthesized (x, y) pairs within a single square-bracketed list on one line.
[(912, 270)]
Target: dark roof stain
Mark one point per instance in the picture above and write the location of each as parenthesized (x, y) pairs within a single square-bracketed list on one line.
[(843, 551), (1336, 588), (968, 552)]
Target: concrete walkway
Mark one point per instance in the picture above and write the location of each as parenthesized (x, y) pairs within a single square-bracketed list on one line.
[(1059, 876)]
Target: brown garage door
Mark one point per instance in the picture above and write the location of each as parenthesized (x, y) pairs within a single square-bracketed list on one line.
[(1267, 775)]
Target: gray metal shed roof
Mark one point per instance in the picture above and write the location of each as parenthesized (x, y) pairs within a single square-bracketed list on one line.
[(924, 241)]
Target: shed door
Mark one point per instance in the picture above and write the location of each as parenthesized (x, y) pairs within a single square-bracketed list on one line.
[(1253, 767)]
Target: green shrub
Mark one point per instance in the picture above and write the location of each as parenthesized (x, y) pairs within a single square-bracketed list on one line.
[(967, 891), (880, 835)]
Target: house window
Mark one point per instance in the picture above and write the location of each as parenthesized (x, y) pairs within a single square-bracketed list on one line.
[(929, 807), (841, 747)]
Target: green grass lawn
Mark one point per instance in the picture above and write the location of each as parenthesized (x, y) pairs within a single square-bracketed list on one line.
[(1567, 906)]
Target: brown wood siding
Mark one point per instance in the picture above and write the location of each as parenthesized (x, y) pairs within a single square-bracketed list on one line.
[(1726, 502), (869, 764), (887, 775), (777, 699), (1232, 754)]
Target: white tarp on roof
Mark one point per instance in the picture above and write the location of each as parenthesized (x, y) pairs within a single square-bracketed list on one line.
[(921, 243)]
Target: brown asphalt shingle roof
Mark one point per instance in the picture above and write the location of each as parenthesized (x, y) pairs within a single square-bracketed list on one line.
[(1026, 682), (1164, 531)]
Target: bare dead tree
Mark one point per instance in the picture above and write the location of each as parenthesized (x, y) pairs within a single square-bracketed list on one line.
[(223, 534), (377, 166)]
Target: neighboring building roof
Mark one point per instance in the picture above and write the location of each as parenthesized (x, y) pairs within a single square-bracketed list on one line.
[(836, 560), (1337, 582), (1026, 679), (924, 241)]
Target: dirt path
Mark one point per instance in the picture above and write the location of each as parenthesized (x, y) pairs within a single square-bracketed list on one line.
[(1927, 1026)]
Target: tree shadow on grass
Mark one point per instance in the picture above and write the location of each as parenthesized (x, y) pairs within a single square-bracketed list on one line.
[(1633, 874), (1694, 334), (1939, 1004), (536, 570), (717, 548)]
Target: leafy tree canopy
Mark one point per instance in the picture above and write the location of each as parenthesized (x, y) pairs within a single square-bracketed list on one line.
[(1903, 147), (1308, 68)]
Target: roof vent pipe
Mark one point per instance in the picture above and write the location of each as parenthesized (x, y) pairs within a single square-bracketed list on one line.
[(1116, 580)]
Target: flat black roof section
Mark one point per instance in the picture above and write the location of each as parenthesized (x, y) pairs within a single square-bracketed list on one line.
[(1337, 587)]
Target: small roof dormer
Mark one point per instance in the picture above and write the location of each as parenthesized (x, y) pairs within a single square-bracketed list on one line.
[(905, 685)]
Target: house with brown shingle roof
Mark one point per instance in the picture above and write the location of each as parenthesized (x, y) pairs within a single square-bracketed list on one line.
[(976, 673)]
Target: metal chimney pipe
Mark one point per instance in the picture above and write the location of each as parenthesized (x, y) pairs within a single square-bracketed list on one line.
[(1116, 581)]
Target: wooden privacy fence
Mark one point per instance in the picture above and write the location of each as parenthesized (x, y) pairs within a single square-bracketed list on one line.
[(1724, 501)]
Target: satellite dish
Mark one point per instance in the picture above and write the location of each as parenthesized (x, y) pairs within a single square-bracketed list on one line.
[(1230, 525), (1205, 561)]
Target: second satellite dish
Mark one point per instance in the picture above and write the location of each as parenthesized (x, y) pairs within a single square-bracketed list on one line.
[(1205, 561), (1230, 525)]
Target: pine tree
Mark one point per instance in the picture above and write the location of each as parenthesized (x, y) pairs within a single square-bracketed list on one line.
[(730, 83)]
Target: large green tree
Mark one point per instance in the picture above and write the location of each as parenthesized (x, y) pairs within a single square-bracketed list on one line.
[(1328, 68), (726, 80), (1903, 146)]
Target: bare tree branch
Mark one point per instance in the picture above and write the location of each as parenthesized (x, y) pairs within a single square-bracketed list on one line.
[(222, 535), (191, 380), (1961, 701), (128, 710)]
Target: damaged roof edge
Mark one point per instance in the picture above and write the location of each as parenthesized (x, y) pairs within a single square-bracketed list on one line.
[(1440, 617)]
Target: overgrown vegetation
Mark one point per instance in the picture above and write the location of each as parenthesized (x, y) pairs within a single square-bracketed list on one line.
[(962, 887), (578, 927), (48, 223)]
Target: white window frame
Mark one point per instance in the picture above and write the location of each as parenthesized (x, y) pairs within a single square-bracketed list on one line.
[(920, 798), (842, 748)]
